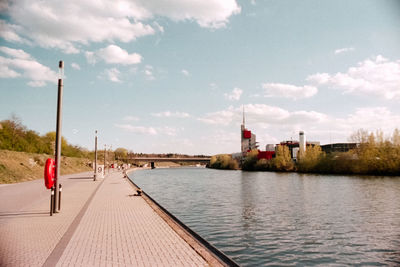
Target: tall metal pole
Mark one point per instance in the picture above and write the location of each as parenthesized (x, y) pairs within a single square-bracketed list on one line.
[(58, 134), (110, 151), (104, 168), (95, 158)]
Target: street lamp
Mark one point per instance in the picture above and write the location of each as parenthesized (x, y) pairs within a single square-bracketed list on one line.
[(58, 133), (105, 151), (95, 157)]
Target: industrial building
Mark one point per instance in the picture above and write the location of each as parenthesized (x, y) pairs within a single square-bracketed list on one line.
[(338, 147), (296, 148), (248, 143), (248, 139)]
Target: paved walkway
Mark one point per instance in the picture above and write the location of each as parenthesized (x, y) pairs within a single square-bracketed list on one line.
[(27, 233), (101, 224)]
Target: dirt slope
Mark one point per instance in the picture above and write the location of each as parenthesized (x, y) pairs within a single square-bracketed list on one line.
[(21, 166)]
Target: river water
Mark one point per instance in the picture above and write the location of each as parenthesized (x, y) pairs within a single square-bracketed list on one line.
[(285, 219)]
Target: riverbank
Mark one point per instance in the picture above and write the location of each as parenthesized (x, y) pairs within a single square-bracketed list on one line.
[(139, 235), (18, 167), (366, 159), (284, 219)]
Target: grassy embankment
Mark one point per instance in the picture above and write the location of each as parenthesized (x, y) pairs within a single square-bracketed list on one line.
[(23, 153), (22, 166)]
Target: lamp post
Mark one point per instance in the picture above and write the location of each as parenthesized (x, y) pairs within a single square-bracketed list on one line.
[(108, 170), (58, 134), (95, 157), (104, 168)]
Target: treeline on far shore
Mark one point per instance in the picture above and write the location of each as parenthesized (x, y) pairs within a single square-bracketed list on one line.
[(374, 155)]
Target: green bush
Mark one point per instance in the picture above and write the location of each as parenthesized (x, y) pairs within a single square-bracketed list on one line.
[(16, 137), (250, 161), (223, 161)]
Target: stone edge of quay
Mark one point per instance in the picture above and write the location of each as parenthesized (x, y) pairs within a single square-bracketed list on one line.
[(201, 246)]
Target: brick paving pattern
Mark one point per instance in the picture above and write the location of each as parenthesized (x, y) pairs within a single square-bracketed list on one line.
[(117, 229), (28, 234)]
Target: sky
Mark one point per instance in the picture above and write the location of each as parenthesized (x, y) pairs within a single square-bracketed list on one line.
[(157, 76)]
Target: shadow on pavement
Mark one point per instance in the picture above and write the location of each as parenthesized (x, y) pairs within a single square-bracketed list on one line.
[(82, 178), (23, 213)]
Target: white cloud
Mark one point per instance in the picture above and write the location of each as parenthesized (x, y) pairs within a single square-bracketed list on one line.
[(130, 118), (262, 115), (19, 63), (185, 72), (272, 123), (158, 26), (207, 13), (148, 71), (169, 114), (377, 76), (223, 117), (234, 95), (265, 115), (6, 72), (90, 57), (80, 23), (137, 129), (222, 138), (213, 86), (113, 54), (69, 25), (36, 83), (75, 66), (288, 90), (16, 53), (344, 50), (169, 131), (112, 74), (372, 118), (8, 33)]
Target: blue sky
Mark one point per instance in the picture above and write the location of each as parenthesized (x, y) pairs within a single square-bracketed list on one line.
[(173, 76)]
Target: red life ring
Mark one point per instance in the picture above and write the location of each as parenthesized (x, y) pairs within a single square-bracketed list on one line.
[(49, 173)]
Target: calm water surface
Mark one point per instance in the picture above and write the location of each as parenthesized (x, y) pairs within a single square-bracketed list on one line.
[(264, 218)]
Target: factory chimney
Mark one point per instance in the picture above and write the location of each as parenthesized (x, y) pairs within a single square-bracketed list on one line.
[(242, 128), (302, 143)]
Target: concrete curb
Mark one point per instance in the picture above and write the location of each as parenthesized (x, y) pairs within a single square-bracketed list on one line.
[(208, 252)]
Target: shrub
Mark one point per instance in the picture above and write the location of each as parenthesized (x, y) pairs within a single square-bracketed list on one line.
[(223, 161)]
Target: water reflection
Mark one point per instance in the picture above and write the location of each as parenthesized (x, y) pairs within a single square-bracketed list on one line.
[(285, 218)]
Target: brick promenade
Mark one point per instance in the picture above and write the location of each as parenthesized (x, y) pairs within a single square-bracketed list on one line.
[(101, 224)]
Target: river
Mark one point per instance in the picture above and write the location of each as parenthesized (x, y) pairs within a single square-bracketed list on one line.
[(285, 219)]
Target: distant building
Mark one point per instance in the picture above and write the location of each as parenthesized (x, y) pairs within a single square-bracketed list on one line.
[(338, 147), (248, 139), (248, 143), (296, 146)]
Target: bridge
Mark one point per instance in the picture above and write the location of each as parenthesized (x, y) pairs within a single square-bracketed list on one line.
[(156, 159)]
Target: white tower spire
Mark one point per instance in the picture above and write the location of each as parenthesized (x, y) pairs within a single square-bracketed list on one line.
[(243, 117)]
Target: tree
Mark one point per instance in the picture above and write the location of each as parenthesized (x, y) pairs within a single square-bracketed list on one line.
[(250, 160), (223, 161), (396, 137), (121, 153), (310, 159), (282, 160), (359, 137)]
